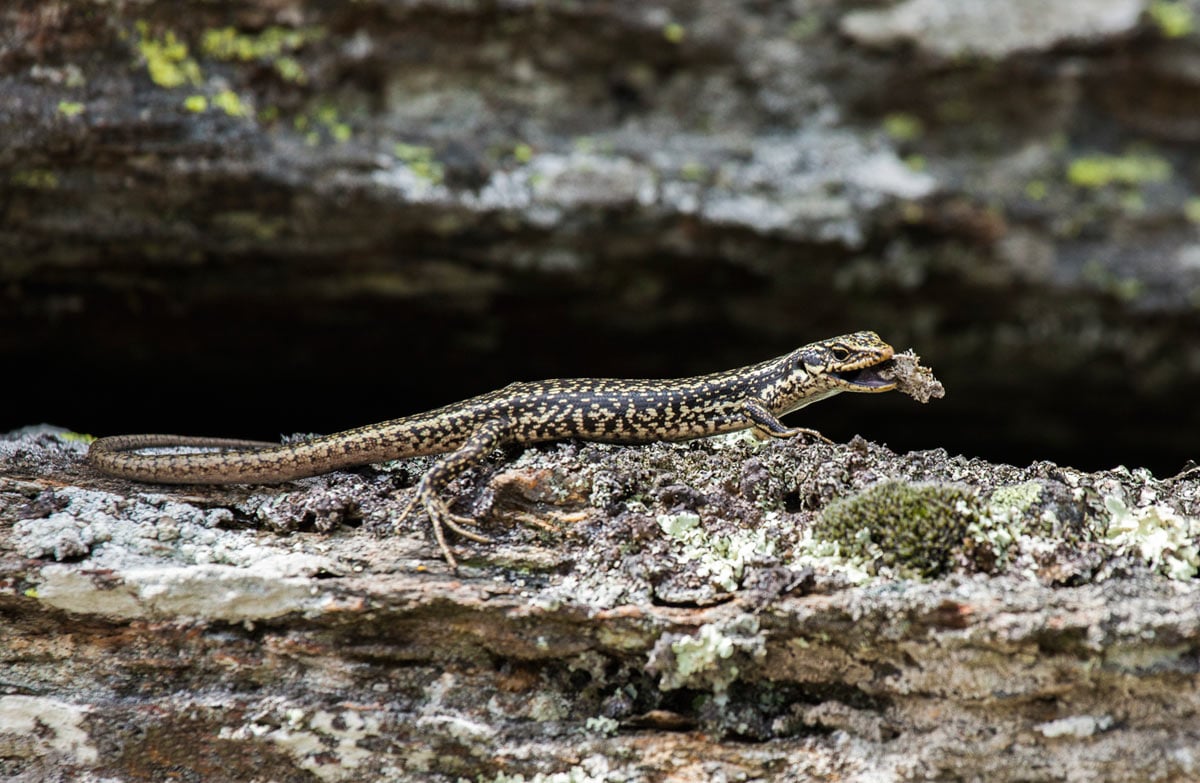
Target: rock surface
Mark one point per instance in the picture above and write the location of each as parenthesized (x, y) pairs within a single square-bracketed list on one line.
[(656, 612)]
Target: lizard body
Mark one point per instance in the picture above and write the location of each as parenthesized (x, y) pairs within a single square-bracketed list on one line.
[(595, 409)]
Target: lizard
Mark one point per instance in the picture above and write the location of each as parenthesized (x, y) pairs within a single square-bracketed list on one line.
[(594, 409)]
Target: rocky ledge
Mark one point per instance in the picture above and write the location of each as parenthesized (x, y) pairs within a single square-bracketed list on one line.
[(725, 609)]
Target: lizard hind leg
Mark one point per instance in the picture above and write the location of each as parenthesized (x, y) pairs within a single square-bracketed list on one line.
[(485, 438)]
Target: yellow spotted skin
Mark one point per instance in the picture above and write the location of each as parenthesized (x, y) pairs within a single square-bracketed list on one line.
[(595, 409)]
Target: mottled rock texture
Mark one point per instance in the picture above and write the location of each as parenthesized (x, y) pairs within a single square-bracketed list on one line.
[(673, 611)]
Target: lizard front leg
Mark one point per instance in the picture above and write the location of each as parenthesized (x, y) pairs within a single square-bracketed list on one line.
[(768, 424), (484, 439)]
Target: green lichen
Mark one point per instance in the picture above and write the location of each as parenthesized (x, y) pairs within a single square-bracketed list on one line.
[(694, 171), (1036, 190), (1173, 17), (1165, 539), (229, 102), (1191, 209), (722, 559), (709, 659), (674, 32), (420, 161), (167, 60), (916, 528), (36, 179), (1134, 169), (903, 127), (804, 27), (522, 153), (70, 108), (272, 46), (75, 437), (1100, 276), (196, 104)]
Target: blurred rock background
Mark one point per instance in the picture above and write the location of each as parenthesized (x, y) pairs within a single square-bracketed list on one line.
[(247, 218)]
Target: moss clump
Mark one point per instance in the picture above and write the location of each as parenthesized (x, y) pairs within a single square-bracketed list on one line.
[(913, 527)]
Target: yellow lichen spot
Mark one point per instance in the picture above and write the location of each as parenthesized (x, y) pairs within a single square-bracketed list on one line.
[(1191, 209), (166, 58), (312, 138), (903, 127), (674, 32), (229, 102), (196, 103), (70, 108), (341, 132), (1173, 17), (916, 162), (1036, 190), (1098, 171)]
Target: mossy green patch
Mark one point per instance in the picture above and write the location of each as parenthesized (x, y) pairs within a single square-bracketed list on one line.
[(913, 527), (1099, 171)]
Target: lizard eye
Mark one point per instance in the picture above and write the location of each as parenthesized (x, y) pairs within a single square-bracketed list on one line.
[(840, 353)]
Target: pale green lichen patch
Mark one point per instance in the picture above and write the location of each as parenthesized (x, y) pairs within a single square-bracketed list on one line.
[(720, 558), (1166, 540), (913, 527), (709, 659)]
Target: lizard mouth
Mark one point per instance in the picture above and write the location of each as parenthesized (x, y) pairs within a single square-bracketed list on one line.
[(867, 379)]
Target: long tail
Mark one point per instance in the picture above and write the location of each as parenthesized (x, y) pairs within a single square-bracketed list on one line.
[(239, 461)]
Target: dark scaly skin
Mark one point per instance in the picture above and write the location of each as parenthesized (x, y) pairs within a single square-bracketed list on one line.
[(595, 409)]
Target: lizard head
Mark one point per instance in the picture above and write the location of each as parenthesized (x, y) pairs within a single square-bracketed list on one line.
[(822, 369), (849, 363)]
